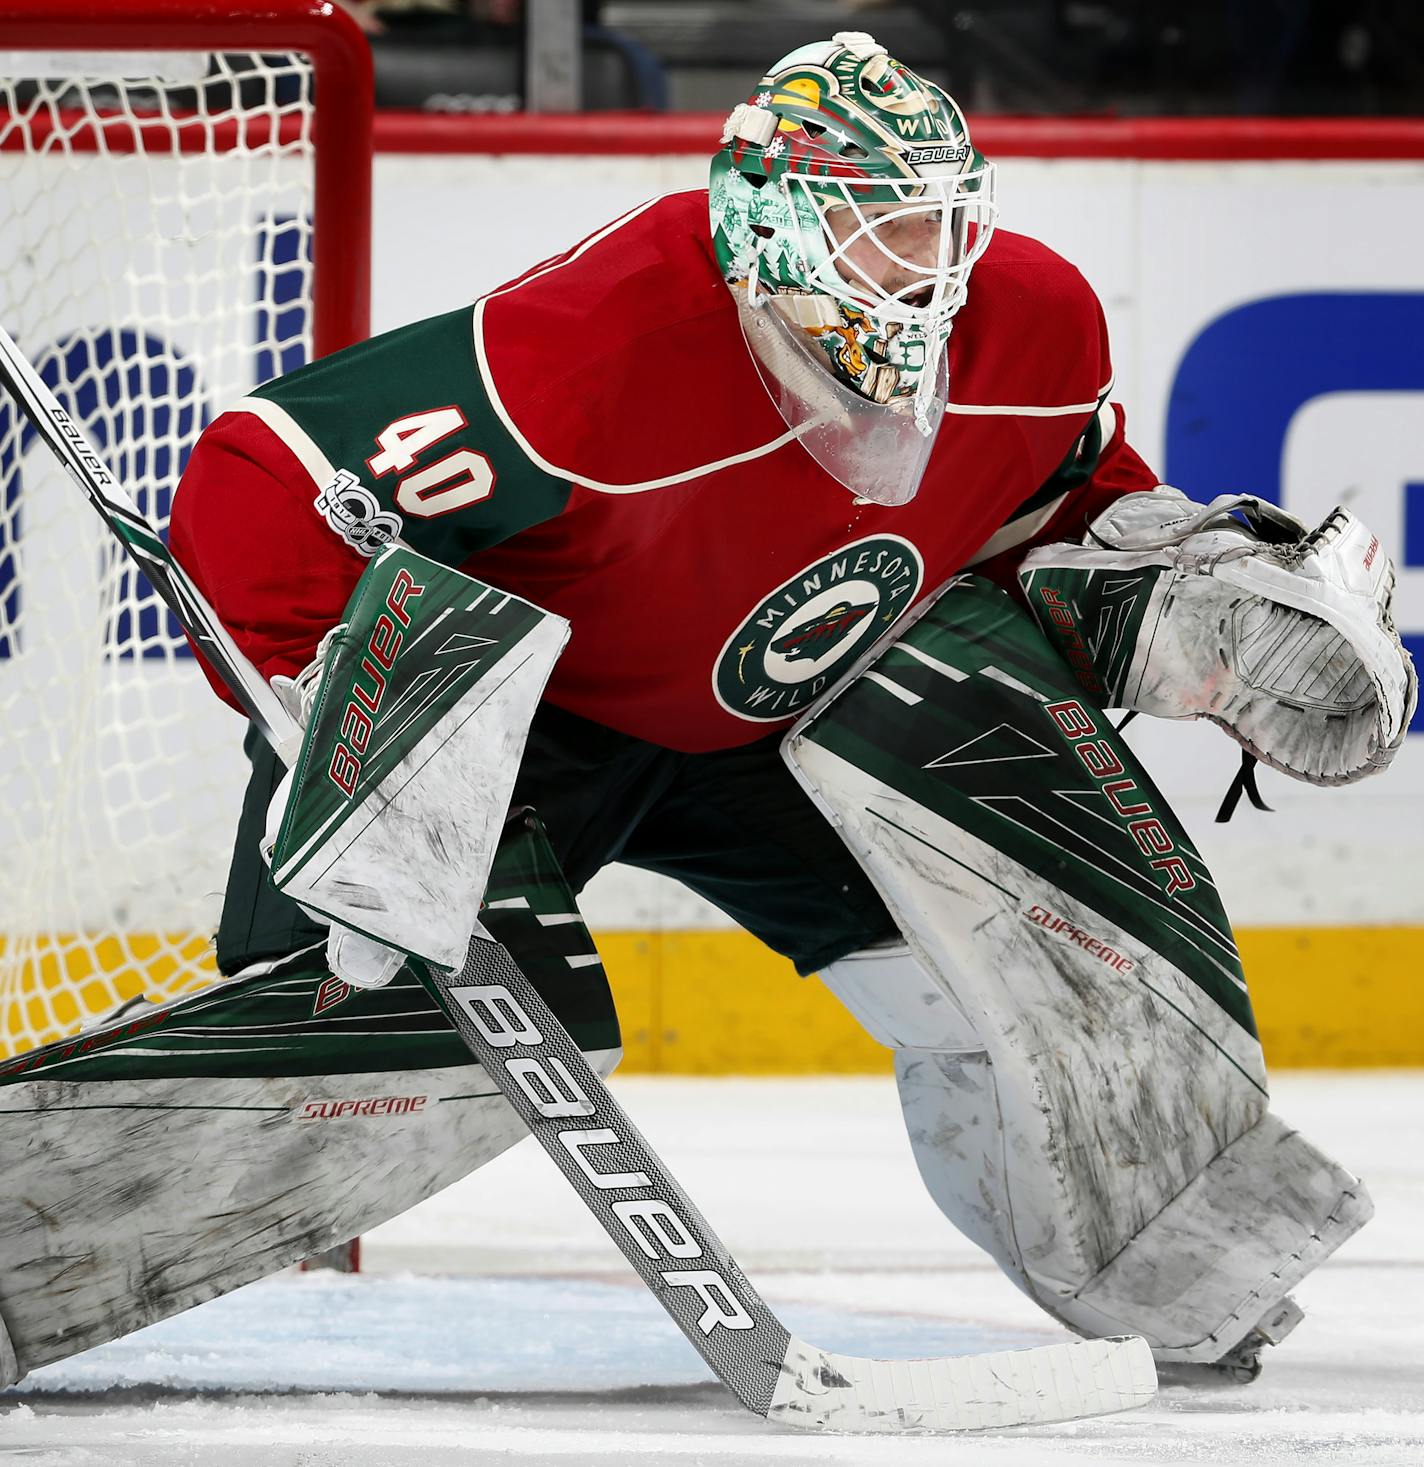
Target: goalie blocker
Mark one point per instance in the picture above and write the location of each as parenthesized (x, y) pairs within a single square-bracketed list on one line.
[(1077, 1059)]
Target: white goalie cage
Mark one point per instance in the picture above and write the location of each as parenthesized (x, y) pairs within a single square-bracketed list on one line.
[(169, 243)]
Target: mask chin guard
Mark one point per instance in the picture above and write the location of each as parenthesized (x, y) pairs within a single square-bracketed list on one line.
[(876, 449)]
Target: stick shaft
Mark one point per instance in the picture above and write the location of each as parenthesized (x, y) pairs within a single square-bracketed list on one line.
[(140, 537), (620, 1178)]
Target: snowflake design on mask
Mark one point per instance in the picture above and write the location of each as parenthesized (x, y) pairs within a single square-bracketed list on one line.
[(775, 148), (762, 99)]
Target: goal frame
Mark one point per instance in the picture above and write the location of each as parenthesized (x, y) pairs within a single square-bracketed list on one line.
[(342, 120), (81, 962)]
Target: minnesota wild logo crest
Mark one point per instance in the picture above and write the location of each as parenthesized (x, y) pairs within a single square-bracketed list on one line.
[(806, 633)]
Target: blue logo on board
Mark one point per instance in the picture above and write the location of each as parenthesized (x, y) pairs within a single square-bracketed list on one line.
[(1243, 380)]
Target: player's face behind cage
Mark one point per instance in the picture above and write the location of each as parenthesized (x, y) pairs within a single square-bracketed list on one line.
[(901, 251)]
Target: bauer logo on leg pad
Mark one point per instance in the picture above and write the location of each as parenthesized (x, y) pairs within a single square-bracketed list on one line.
[(1124, 795), (330, 992), (1072, 807)]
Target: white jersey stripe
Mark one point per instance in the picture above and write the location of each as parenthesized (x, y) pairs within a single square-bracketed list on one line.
[(1107, 421), (291, 432), (1018, 410), (986, 410), (1016, 532)]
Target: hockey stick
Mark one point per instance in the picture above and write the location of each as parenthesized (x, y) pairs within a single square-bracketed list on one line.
[(565, 1103), (66, 440)]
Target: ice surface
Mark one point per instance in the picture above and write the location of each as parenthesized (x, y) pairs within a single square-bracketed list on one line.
[(342, 1332), (497, 1324)]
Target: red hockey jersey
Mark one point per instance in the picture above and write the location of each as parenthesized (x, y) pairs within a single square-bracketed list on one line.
[(594, 437)]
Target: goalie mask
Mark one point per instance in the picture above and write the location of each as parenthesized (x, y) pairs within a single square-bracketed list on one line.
[(848, 207)]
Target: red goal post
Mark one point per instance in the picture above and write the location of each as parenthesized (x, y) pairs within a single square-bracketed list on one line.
[(186, 186), (341, 137)]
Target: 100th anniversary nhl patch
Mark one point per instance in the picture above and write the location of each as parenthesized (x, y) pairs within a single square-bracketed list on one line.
[(354, 513), (805, 634)]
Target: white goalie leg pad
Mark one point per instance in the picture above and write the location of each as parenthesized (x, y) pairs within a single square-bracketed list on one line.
[(947, 1091), (9, 1365), (1255, 1220), (897, 1003), (106, 1227), (1076, 1106)]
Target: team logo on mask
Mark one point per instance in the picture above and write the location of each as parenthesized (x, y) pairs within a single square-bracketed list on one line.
[(356, 514), (806, 634)]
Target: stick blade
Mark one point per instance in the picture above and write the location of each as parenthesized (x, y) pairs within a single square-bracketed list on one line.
[(819, 1389)]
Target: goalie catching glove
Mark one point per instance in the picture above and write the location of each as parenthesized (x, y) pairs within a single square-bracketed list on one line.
[(1236, 612)]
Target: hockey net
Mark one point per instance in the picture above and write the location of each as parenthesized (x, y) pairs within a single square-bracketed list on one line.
[(165, 250)]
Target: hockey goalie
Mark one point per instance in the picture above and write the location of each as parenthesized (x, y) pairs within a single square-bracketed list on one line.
[(820, 472)]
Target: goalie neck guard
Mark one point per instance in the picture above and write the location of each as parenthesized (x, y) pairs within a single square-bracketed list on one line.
[(848, 194)]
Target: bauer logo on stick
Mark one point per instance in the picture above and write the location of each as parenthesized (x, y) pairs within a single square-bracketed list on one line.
[(655, 1225)]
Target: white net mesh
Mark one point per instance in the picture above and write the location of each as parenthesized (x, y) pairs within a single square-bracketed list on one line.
[(154, 266)]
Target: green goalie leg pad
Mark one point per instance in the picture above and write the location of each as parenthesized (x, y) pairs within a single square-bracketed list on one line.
[(972, 720), (187, 1150)]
